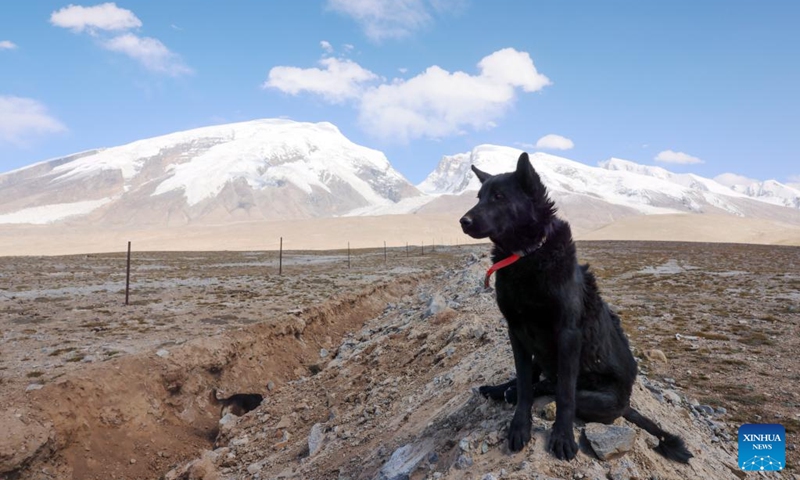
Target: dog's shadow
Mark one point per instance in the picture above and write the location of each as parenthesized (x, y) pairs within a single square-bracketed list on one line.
[(484, 423)]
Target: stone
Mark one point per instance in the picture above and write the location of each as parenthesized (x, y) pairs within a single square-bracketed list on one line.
[(464, 444), (463, 462), (707, 409), (609, 441), (436, 304), (405, 460), (163, 353), (549, 411), (315, 439), (655, 355), (672, 397)]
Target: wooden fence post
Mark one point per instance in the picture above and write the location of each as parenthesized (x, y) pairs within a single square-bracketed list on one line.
[(128, 274)]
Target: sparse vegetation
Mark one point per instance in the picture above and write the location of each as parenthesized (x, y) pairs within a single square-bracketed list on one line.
[(738, 326)]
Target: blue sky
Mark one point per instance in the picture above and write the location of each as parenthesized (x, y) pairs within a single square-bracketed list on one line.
[(704, 86)]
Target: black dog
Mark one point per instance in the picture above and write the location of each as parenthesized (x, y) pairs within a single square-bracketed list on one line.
[(558, 324), (237, 404)]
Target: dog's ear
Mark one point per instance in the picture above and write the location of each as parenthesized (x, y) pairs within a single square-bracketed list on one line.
[(482, 176), (526, 174)]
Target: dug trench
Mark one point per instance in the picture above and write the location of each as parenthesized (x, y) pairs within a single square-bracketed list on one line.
[(140, 415), (391, 396)]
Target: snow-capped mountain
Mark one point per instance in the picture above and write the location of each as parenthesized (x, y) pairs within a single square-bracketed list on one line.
[(770, 191), (614, 189), (263, 169), (279, 169)]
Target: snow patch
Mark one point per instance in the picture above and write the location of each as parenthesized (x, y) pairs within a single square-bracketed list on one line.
[(52, 213)]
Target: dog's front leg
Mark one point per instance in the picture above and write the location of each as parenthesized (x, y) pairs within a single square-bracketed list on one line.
[(562, 440), (519, 433)]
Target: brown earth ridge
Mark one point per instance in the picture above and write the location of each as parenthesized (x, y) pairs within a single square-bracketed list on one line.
[(369, 372)]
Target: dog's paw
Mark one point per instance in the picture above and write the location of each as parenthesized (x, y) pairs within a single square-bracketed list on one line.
[(511, 395), (562, 444), (519, 434)]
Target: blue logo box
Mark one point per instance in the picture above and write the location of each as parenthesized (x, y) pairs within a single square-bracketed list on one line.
[(762, 447)]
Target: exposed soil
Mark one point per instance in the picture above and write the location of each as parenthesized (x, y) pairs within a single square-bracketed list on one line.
[(124, 389)]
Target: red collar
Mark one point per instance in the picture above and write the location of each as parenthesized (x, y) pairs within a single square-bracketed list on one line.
[(497, 266), (511, 259)]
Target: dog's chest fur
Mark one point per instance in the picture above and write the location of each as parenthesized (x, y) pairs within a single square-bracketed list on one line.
[(532, 293)]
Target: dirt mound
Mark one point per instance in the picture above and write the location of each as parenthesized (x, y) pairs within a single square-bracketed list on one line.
[(137, 416), (395, 400), (376, 384)]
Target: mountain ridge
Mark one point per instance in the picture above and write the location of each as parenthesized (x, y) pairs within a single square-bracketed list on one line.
[(276, 169)]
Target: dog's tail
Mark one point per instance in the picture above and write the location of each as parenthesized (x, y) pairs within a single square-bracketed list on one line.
[(212, 396), (670, 446)]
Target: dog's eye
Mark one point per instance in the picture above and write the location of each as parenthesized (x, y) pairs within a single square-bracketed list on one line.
[(498, 196)]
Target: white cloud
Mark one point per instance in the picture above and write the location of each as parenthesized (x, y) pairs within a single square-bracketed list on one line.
[(668, 156), (731, 179), (433, 104), (21, 118), (554, 142), (7, 45), (438, 103), (382, 19), (106, 16), (326, 46), (150, 52), (340, 80)]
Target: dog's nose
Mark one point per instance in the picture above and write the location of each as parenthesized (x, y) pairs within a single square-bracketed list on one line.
[(466, 221)]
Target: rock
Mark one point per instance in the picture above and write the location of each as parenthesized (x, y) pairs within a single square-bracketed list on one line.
[(284, 422), (133, 461), (463, 462), (464, 444), (655, 355), (163, 353), (609, 441), (315, 439), (405, 460), (228, 418), (672, 397), (436, 304), (270, 385), (202, 468), (323, 353), (489, 476), (707, 409), (254, 468), (34, 386), (549, 411)]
